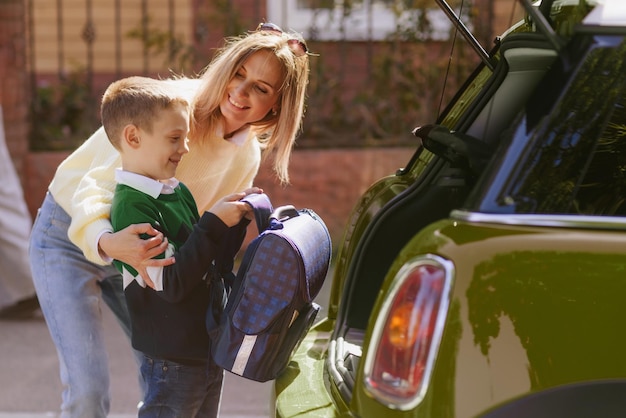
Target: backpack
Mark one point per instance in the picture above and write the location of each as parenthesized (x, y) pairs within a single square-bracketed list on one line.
[(270, 306)]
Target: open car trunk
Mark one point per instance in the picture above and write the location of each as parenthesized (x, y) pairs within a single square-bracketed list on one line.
[(436, 180)]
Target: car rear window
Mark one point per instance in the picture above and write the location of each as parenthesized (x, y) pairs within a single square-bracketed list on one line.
[(572, 158)]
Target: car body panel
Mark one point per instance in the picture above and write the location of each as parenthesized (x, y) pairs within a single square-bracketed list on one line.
[(306, 393), (505, 333)]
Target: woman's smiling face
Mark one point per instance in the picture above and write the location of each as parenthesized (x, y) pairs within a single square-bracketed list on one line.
[(253, 91)]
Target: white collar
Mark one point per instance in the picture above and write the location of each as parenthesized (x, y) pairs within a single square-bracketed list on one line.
[(145, 184)]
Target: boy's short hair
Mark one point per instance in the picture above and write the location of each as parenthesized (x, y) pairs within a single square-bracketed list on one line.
[(135, 100)]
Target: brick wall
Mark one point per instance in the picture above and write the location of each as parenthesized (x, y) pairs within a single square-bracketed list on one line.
[(327, 181), (331, 181), (14, 82)]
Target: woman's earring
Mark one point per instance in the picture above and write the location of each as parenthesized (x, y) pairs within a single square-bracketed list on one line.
[(274, 112)]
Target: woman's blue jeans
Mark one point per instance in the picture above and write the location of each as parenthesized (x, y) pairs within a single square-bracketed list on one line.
[(70, 290)]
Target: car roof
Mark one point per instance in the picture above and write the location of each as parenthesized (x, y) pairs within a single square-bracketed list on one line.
[(608, 14)]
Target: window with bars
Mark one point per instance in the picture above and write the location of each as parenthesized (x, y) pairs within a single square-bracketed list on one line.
[(358, 20)]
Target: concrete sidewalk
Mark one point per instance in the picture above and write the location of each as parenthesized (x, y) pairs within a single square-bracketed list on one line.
[(30, 385)]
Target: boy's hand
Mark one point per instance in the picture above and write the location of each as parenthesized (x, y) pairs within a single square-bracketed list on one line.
[(252, 190), (231, 209), (250, 213)]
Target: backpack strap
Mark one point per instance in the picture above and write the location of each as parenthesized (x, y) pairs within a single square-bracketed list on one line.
[(262, 207), (231, 244)]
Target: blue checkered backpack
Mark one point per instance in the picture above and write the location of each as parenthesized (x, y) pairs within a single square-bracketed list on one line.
[(270, 306)]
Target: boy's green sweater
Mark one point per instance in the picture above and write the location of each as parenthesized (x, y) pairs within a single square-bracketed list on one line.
[(171, 323)]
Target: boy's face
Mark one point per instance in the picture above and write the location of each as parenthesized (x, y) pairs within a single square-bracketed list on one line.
[(161, 150)]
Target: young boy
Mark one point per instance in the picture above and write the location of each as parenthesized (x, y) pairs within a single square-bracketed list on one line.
[(148, 123)]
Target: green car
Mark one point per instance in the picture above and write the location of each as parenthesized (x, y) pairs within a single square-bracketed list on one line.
[(488, 277)]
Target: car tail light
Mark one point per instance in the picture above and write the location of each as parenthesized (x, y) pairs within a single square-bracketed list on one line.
[(407, 333)]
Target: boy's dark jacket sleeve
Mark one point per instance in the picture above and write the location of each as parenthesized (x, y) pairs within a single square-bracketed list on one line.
[(231, 243), (211, 239)]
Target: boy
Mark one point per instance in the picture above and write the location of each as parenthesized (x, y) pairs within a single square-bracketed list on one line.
[(148, 123)]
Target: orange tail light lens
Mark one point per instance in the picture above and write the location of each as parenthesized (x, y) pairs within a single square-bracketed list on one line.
[(408, 331)]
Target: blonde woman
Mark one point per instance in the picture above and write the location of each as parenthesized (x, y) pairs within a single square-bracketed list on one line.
[(250, 98)]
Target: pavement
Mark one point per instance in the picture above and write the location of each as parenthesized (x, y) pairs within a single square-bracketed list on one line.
[(29, 377), (30, 385)]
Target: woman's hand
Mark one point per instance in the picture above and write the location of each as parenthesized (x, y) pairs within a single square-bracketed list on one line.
[(127, 246)]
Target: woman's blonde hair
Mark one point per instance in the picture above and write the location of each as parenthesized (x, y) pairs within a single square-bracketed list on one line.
[(277, 131)]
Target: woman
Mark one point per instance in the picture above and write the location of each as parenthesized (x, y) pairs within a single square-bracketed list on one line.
[(250, 97)]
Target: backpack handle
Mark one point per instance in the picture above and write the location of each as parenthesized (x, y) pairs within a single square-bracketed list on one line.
[(281, 214), (262, 207), (284, 212)]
